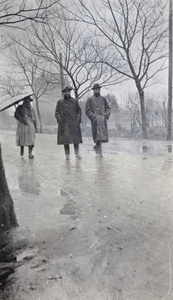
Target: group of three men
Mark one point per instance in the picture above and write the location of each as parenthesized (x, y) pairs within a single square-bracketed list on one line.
[(68, 115)]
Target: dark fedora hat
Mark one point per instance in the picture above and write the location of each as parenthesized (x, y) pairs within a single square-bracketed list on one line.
[(96, 86), (67, 88)]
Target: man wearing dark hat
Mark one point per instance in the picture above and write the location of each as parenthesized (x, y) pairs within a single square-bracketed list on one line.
[(68, 115), (26, 127), (98, 111)]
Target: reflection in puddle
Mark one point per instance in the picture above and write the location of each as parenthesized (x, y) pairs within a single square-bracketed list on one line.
[(68, 208), (169, 147), (140, 146), (144, 149), (27, 180)]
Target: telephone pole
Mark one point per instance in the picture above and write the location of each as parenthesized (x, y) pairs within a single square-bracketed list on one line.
[(169, 122)]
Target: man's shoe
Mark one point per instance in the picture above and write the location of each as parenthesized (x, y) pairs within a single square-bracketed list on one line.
[(78, 156), (67, 156), (95, 149), (30, 156)]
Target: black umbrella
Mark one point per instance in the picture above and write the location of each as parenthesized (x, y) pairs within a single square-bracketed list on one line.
[(7, 103)]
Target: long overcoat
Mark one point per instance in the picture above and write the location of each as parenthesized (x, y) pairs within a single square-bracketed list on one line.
[(68, 115), (26, 125), (98, 111)]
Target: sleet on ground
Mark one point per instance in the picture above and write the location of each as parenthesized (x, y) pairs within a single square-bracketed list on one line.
[(95, 228)]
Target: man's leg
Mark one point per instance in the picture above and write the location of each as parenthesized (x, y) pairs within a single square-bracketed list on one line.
[(99, 148), (67, 151), (30, 148), (76, 150), (95, 148), (21, 150)]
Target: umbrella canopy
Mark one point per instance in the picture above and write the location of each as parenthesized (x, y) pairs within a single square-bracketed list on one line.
[(8, 102)]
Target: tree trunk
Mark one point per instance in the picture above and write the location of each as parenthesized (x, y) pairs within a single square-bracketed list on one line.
[(169, 129), (143, 112), (7, 214), (39, 116)]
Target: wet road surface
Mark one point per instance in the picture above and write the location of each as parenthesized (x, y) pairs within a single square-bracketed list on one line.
[(98, 228)]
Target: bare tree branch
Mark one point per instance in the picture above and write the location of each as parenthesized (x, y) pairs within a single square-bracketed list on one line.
[(12, 12)]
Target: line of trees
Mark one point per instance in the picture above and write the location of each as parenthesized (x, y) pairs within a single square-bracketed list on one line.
[(134, 34), (110, 41), (156, 109)]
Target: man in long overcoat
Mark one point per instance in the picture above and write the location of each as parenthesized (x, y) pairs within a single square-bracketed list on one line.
[(68, 115), (98, 111)]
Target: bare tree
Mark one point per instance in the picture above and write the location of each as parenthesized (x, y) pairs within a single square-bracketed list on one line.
[(131, 102), (156, 109), (60, 37), (9, 85), (31, 73), (132, 37), (113, 103)]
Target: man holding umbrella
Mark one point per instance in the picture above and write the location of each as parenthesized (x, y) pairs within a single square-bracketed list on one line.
[(26, 127)]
